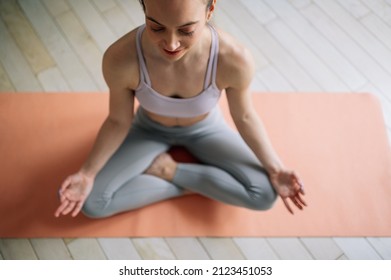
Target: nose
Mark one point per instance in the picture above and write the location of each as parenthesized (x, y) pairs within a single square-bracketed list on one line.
[(172, 42)]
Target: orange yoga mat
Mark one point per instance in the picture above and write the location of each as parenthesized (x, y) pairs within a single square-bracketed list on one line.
[(336, 142)]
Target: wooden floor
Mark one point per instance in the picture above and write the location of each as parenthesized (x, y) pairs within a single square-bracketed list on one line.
[(299, 45)]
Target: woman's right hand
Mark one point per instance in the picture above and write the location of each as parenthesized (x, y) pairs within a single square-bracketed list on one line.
[(73, 193)]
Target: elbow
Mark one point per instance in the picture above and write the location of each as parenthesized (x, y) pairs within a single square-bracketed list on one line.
[(118, 124), (244, 119)]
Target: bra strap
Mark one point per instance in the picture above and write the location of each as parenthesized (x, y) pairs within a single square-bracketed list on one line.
[(143, 68), (212, 64)]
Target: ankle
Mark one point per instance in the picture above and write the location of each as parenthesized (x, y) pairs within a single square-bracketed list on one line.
[(164, 166)]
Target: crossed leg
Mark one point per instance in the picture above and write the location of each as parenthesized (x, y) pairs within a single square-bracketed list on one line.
[(122, 184), (141, 173), (229, 172)]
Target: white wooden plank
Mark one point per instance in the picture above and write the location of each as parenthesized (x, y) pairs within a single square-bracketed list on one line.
[(381, 30), (17, 249), (50, 249), (69, 64), (222, 249), (276, 54), (273, 80), (289, 249), (57, 7), (348, 48), (299, 4), (25, 37), (385, 103), (355, 7), (187, 248), (262, 11), (52, 80), (318, 44), (381, 8), (153, 249), (364, 39), (382, 245), (5, 81), (119, 249), (118, 21), (257, 84), (320, 73), (223, 21), (357, 249), (94, 23), (19, 71), (343, 258), (322, 248), (83, 46), (255, 248), (86, 249), (133, 10), (104, 5)]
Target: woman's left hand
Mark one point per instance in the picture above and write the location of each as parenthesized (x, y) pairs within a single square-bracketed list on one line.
[(288, 186)]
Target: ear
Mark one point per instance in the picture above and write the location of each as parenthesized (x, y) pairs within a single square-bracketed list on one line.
[(211, 10)]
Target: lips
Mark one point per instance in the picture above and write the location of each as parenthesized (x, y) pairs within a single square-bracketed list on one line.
[(172, 53)]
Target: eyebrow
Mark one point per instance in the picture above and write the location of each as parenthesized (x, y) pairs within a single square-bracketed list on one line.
[(183, 25)]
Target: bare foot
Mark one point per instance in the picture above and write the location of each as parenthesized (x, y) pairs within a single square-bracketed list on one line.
[(164, 166)]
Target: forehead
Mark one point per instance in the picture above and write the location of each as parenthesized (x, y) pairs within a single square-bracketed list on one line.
[(175, 12)]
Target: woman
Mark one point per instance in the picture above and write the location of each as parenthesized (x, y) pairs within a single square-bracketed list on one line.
[(177, 65)]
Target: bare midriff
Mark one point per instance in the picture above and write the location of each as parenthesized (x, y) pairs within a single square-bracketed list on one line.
[(171, 121)]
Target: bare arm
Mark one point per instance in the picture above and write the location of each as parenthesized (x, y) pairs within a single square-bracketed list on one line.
[(77, 187), (112, 133), (286, 182), (252, 130), (118, 122), (244, 115)]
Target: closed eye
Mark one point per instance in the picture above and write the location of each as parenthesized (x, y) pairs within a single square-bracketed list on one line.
[(159, 29), (187, 33)]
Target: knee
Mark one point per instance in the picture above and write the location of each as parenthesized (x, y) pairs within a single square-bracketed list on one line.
[(263, 201), (95, 210)]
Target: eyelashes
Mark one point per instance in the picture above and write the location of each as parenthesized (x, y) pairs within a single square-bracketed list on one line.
[(182, 32), (186, 33)]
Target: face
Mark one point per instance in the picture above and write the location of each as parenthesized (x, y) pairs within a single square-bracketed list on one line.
[(175, 26)]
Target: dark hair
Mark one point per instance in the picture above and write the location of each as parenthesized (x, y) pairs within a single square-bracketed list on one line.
[(210, 2)]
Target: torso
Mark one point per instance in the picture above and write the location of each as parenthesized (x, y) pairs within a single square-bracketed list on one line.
[(182, 80)]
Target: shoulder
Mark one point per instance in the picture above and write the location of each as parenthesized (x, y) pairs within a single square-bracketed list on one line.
[(120, 62), (235, 64)]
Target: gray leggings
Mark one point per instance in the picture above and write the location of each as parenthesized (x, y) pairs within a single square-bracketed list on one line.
[(229, 172)]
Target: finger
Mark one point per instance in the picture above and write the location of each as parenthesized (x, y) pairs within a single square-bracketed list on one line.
[(70, 207), (62, 195), (61, 208), (297, 203), (301, 200), (77, 209), (300, 183), (287, 206), (65, 184), (72, 194), (63, 198), (59, 195)]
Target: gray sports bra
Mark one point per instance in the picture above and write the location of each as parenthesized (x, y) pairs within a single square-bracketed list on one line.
[(159, 104)]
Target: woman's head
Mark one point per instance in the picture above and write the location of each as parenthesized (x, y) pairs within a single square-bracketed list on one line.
[(207, 2), (174, 26)]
